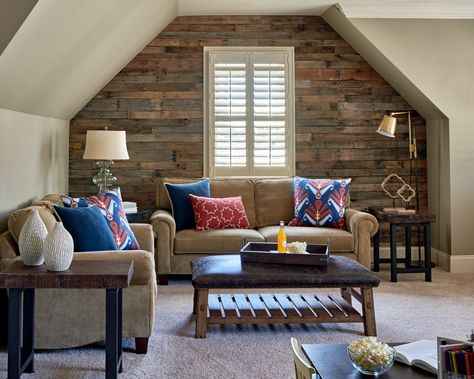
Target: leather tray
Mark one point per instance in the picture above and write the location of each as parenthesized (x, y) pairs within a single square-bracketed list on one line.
[(266, 252)]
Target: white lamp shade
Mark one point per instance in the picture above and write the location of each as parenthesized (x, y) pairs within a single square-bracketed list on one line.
[(106, 145)]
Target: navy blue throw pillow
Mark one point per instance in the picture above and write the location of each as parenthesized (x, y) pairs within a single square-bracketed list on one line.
[(183, 213), (88, 228)]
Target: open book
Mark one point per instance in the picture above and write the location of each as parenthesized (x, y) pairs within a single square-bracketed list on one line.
[(423, 354)]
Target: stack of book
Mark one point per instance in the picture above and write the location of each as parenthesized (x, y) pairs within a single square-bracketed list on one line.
[(130, 207), (450, 359), (456, 358)]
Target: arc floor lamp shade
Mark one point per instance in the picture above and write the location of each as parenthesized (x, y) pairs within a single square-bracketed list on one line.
[(107, 145), (388, 126)]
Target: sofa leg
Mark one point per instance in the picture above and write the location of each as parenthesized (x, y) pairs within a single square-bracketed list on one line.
[(141, 345), (163, 279)]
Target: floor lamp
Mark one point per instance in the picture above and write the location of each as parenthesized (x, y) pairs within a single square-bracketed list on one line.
[(387, 128)]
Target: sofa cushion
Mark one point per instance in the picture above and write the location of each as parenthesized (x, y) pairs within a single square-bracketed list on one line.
[(340, 240), (237, 187), (219, 213), (182, 208), (88, 228), (274, 201), (110, 204), (320, 202), (17, 219), (214, 241)]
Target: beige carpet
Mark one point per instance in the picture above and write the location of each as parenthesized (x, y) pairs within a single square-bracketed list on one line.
[(405, 311)]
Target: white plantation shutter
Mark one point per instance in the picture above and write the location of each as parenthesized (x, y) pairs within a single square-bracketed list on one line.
[(230, 110), (249, 112)]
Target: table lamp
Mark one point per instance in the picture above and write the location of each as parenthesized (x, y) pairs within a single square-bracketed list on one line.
[(105, 147)]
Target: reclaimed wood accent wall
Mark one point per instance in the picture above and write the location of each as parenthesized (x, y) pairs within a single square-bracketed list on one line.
[(158, 99)]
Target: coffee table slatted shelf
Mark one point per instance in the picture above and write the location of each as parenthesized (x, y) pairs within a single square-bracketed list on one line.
[(279, 308)]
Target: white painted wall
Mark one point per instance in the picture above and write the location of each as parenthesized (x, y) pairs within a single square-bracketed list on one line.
[(34, 153), (67, 50), (437, 125), (438, 57)]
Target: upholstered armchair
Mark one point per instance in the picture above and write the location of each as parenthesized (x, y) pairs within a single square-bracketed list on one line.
[(75, 317)]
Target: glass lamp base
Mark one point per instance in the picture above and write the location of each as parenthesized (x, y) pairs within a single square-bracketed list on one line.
[(104, 179)]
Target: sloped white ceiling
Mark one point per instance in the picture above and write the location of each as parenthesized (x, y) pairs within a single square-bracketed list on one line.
[(67, 50), (352, 8), (12, 15)]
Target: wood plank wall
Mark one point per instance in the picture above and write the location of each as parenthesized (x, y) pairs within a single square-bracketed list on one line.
[(158, 99)]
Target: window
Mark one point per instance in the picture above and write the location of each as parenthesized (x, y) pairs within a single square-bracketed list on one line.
[(249, 111)]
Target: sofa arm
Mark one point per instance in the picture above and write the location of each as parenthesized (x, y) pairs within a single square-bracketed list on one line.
[(145, 237), (363, 226), (164, 227), (143, 263)]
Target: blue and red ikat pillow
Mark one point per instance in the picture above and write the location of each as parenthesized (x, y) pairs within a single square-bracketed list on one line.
[(110, 205), (320, 202)]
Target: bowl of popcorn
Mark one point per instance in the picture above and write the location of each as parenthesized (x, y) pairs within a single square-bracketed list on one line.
[(296, 247), (370, 356)]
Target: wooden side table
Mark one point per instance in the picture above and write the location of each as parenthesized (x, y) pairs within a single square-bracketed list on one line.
[(407, 220), (113, 276)]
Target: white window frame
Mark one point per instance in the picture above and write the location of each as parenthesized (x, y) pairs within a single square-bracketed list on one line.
[(249, 171)]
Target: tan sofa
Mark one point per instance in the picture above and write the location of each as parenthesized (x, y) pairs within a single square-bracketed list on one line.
[(266, 201), (75, 317)]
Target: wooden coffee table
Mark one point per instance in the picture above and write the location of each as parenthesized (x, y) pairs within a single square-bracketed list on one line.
[(18, 278), (220, 272)]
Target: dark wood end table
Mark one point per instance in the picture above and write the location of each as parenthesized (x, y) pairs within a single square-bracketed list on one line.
[(139, 217), (332, 362), (19, 279), (406, 220)]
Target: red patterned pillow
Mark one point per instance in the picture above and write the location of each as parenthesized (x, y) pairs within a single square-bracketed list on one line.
[(219, 213)]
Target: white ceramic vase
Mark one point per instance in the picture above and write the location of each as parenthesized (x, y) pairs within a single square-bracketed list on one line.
[(58, 249), (31, 239)]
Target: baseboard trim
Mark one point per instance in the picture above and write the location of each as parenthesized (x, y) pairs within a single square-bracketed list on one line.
[(443, 260), (462, 264), (385, 253), (459, 264)]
